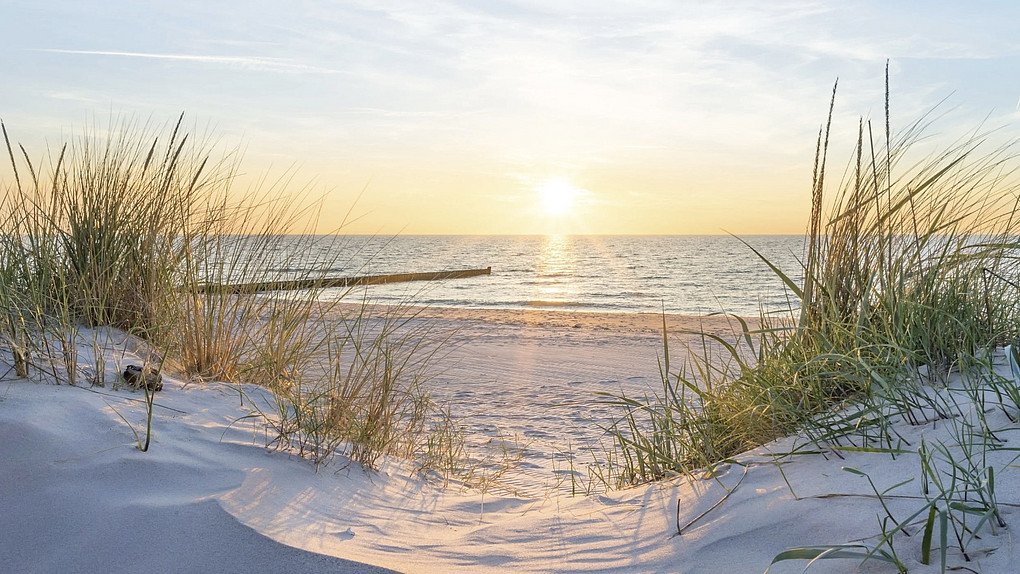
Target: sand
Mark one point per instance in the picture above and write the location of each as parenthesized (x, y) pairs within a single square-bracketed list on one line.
[(76, 495)]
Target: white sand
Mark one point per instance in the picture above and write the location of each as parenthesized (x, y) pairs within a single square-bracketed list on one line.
[(77, 496)]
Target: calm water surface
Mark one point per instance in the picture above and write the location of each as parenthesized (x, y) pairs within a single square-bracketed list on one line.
[(681, 274)]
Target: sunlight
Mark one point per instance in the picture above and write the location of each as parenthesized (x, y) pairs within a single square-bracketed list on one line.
[(557, 196)]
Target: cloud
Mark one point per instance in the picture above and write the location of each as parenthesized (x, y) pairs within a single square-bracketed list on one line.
[(70, 96), (249, 62)]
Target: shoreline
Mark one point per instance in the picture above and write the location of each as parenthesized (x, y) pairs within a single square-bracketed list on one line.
[(621, 322)]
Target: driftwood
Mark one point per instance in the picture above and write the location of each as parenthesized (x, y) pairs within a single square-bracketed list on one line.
[(326, 282)]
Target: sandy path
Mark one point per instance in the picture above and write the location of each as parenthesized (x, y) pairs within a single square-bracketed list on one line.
[(526, 383)]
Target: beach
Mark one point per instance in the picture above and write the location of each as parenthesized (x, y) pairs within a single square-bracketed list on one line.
[(472, 287), (76, 495)]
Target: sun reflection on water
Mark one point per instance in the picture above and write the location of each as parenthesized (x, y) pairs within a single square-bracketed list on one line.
[(555, 270)]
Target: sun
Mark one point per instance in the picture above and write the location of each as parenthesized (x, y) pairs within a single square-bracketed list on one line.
[(557, 197)]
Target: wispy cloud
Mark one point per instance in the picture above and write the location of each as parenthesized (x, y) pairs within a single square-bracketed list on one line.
[(70, 96), (249, 62), (428, 114)]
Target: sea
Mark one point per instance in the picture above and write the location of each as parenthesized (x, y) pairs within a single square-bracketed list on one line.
[(693, 275)]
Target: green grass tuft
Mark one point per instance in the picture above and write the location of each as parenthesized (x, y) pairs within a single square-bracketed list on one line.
[(125, 227)]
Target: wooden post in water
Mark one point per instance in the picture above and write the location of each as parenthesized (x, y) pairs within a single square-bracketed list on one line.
[(327, 282)]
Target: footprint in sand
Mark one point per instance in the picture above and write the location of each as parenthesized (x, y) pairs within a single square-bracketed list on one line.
[(344, 534)]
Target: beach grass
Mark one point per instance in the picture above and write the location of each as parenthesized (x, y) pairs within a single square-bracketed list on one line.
[(906, 274), (910, 280), (134, 226)]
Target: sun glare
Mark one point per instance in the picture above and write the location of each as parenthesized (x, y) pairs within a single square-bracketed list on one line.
[(557, 197)]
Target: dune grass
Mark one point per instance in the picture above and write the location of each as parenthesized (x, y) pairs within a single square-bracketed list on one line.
[(128, 227), (910, 274), (907, 272)]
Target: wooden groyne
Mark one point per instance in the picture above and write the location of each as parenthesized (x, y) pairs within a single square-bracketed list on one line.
[(327, 282)]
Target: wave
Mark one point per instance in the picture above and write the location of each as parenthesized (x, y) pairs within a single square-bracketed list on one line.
[(540, 303), (639, 294)]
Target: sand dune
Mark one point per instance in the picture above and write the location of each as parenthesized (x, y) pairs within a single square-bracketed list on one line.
[(77, 496)]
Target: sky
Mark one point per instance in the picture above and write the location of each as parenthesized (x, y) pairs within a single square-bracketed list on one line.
[(522, 117)]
